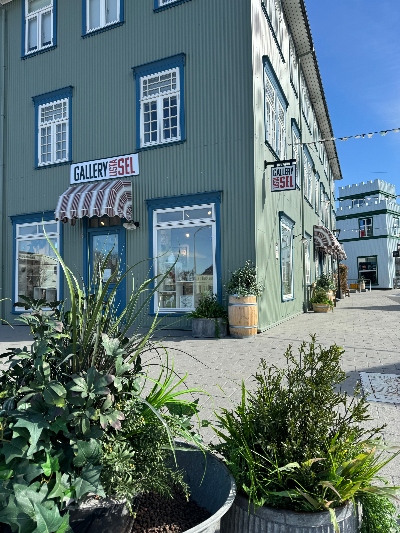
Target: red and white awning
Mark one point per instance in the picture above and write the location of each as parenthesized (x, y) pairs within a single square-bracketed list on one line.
[(112, 198), (325, 241)]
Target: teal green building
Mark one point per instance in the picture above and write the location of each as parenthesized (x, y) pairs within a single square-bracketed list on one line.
[(151, 128)]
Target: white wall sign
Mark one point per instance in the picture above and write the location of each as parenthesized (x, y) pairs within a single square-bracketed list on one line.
[(283, 177), (120, 166)]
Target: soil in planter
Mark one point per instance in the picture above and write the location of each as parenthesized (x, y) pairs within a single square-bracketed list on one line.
[(156, 514)]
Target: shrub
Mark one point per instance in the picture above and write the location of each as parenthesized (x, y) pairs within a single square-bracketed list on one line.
[(243, 282), (325, 281), (320, 297), (209, 307)]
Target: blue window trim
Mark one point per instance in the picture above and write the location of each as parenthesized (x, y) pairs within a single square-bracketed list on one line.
[(121, 232), (212, 197), (157, 6), (24, 54), (264, 9), (291, 223), (177, 61), (46, 98), (27, 219), (121, 21)]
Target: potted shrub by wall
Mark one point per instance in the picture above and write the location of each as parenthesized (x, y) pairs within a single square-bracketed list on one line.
[(210, 318), (243, 290), (326, 282), (300, 454), (79, 426), (320, 301)]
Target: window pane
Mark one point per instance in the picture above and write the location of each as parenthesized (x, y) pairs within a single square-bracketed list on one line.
[(192, 250), (205, 212), (112, 11), (286, 260), (32, 33), (94, 14), (37, 269), (150, 122), (46, 28), (102, 245), (169, 216), (35, 5)]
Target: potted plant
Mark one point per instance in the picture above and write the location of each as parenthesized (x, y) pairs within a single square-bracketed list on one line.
[(300, 453), (361, 283), (210, 318), (243, 289), (320, 301), (84, 428), (327, 283)]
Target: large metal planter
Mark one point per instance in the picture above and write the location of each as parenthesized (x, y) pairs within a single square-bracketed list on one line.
[(268, 520), (211, 486), (209, 327)]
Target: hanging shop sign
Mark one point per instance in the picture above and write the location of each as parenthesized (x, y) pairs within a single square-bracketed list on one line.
[(283, 176), (120, 166)]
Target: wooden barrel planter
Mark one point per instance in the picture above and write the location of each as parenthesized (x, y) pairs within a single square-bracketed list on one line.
[(241, 518), (321, 308), (243, 316)]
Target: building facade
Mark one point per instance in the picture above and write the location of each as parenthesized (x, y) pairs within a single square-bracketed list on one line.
[(368, 219), (148, 129)]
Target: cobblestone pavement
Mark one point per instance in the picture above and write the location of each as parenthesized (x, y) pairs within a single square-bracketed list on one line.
[(366, 325)]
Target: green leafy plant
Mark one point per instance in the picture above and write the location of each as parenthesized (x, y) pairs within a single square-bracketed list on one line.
[(244, 282), (325, 281), (77, 391), (379, 514), (297, 442), (209, 307), (343, 272), (320, 297)]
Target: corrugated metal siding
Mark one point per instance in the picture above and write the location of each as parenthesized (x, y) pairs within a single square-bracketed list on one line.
[(218, 154)]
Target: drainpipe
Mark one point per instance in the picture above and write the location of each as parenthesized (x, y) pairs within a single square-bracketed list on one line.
[(2, 153)]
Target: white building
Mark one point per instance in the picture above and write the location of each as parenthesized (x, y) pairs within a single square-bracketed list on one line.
[(368, 219)]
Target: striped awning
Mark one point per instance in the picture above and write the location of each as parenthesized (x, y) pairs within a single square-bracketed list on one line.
[(112, 198), (325, 241)]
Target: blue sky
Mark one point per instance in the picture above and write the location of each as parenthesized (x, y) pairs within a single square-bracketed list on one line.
[(358, 50)]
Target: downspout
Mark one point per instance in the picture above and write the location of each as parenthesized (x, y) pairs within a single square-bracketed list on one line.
[(2, 153)]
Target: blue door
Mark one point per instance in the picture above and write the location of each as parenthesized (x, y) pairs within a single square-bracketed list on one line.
[(103, 242)]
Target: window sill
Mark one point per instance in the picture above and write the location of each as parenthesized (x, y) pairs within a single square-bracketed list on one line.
[(167, 6), (163, 145), (52, 165), (38, 52), (103, 29), (171, 313), (288, 299)]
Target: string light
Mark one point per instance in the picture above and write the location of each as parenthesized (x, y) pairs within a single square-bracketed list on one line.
[(358, 136)]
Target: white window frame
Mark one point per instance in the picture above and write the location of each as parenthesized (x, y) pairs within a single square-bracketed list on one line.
[(285, 225), (159, 108), (395, 226), (359, 202), (32, 236), (275, 116), (293, 67), (307, 259), (308, 178), (53, 131), (38, 14), (190, 223), (369, 228), (166, 2), (103, 23)]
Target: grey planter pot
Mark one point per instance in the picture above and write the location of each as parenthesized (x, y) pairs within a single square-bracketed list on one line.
[(211, 486), (206, 328), (268, 520)]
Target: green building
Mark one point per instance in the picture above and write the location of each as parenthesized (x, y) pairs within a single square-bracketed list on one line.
[(150, 128)]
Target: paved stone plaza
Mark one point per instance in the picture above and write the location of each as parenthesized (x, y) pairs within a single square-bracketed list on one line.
[(366, 325)]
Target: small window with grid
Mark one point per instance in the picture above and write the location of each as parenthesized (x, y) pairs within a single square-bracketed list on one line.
[(365, 227), (159, 103), (275, 113), (53, 132), (38, 25)]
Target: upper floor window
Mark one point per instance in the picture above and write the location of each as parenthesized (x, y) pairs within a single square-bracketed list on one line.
[(160, 102), (316, 189), (365, 227), (308, 176), (293, 67), (102, 13), (53, 137), (395, 226), (39, 24), (358, 203), (275, 112)]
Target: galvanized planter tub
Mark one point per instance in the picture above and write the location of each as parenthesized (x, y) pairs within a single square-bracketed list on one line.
[(209, 327), (211, 486), (268, 520)]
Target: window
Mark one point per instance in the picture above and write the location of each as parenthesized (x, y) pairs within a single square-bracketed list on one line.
[(160, 102), (286, 230), (365, 227), (293, 67), (308, 176), (99, 14), (53, 131), (316, 199), (395, 226), (162, 4), (36, 270), (307, 257), (185, 247), (295, 144), (275, 112), (306, 104), (368, 268), (358, 203), (39, 25), (321, 206)]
